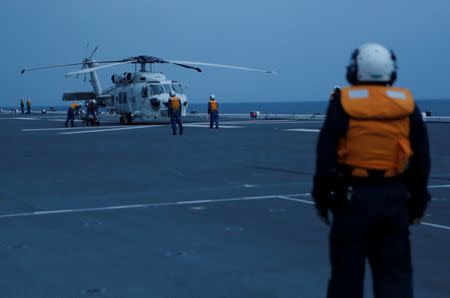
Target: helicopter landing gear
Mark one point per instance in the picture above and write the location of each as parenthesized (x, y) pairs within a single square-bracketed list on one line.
[(126, 119)]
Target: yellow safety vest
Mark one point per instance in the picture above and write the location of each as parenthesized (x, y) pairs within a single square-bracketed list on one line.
[(175, 103), (213, 106), (378, 131)]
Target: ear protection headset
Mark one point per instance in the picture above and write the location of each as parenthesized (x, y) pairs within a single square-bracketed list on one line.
[(352, 69)]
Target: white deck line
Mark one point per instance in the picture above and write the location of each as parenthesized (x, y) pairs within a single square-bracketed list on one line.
[(435, 225), (118, 207), (66, 128), (439, 186), (312, 203), (109, 129), (303, 129)]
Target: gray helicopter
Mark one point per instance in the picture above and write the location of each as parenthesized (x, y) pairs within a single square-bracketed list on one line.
[(142, 94)]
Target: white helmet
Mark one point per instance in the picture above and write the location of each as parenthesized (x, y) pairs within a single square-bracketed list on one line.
[(212, 96), (93, 101), (172, 93), (372, 63)]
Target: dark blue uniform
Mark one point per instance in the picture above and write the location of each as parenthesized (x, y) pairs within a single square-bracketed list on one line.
[(71, 112), (371, 215), (213, 111), (174, 111)]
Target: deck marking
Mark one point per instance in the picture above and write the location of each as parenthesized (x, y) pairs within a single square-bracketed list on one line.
[(64, 128), (207, 125), (78, 121), (20, 118), (440, 186), (435, 225), (134, 206), (298, 200), (104, 130), (303, 129), (312, 203), (258, 122)]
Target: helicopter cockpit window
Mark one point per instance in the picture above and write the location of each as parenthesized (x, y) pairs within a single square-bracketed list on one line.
[(177, 88), (156, 89), (167, 88)]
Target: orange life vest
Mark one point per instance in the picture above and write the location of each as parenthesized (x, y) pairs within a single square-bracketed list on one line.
[(175, 103), (378, 132), (213, 106)]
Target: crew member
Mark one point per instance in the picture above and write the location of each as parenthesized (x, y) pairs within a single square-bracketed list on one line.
[(92, 109), (213, 112), (28, 106), (372, 171), (174, 110), (22, 105), (71, 112)]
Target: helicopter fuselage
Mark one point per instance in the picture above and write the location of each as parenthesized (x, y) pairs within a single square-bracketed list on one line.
[(142, 95)]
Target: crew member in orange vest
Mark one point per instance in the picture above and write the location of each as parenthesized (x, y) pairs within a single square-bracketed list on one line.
[(174, 111), (372, 171), (22, 105), (213, 112), (28, 106), (72, 111)]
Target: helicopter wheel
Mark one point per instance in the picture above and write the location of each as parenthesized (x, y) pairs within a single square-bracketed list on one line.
[(122, 119)]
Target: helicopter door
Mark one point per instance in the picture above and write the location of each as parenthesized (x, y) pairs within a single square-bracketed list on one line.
[(123, 102)]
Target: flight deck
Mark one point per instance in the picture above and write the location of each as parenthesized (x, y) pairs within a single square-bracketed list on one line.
[(134, 211)]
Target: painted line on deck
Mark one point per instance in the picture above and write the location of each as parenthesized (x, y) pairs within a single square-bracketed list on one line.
[(207, 126), (68, 128), (303, 129), (298, 200), (19, 118), (286, 197), (435, 225), (262, 121), (439, 186), (105, 130), (79, 121), (135, 206)]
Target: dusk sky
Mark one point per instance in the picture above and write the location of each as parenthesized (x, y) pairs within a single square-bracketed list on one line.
[(307, 42)]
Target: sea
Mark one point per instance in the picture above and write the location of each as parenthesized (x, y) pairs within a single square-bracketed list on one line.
[(437, 107)]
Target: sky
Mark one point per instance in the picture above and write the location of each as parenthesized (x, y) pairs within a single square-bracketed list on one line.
[(307, 42)]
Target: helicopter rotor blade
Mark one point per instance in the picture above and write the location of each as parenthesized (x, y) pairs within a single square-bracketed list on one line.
[(93, 52), (223, 66), (84, 66), (52, 66), (91, 69), (186, 66)]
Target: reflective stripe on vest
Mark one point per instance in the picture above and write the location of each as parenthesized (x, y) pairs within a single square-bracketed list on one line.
[(378, 132), (213, 105), (175, 103)]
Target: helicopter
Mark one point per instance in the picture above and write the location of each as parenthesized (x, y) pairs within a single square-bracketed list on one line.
[(142, 94)]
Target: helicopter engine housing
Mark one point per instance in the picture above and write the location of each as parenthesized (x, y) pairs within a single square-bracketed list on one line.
[(116, 79), (129, 77)]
